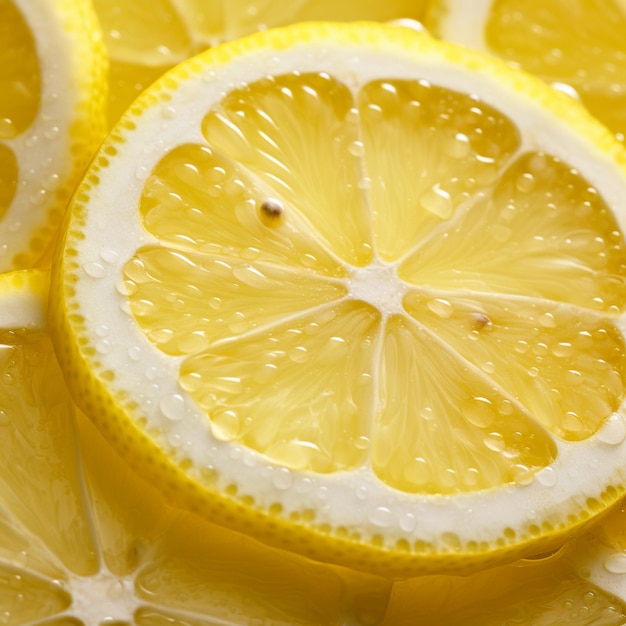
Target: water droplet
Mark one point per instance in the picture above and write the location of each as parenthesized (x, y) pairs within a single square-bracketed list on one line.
[(613, 432), (282, 479), (95, 270), (141, 173), (547, 320), (562, 349), (522, 475), (525, 182), (440, 307), (356, 148), (52, 132), (547, 477), (533, 372), (225, 424), (616, 563), (168, 112), (109, 256), (364, 183), (459, 146), (362, 492), (408, 522), (381, 516), (103, 346), (479, 412), (173, 407), (438, 202), (495, 442)]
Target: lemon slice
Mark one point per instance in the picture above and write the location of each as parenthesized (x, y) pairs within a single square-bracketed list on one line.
[(84, 540), (51, 118), (576, 46), (145, 38), (558, 588), (359, 293)]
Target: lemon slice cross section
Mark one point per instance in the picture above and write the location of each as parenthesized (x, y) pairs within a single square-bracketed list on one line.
[(52, 94), (576, 46), (359, 293)]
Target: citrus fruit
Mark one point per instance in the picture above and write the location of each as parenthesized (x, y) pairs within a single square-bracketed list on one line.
[(566, 587), (356, 292), (83, 540), (145, 38), (52, 97), (577, 46)]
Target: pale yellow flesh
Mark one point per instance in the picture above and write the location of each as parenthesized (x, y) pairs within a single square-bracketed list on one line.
[(578, 43), (481, 366)]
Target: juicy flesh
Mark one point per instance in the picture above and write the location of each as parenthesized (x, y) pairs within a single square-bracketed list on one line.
[(20, 92), (383, 278), (550, 41)]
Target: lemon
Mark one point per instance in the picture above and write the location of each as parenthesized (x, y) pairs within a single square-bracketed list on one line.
[(555, 589), (145, 38), (358, 293), (52, 97), (576, 46), (84, 540)]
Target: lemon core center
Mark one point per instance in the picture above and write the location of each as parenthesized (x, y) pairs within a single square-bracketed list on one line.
[(378, 284)]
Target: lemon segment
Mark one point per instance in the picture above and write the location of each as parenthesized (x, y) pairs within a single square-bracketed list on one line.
[(575, 46), (345, 353), (51, 119)]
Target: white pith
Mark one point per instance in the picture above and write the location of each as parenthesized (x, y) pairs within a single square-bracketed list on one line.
[(356, 500), (42, 150)]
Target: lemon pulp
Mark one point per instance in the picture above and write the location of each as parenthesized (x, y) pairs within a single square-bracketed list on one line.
[(404, 340), (575, 46)]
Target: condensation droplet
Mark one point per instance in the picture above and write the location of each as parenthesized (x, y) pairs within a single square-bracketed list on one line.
[(616, 563), (459, 146), (381, 516), (525, 182), (613, 432), (440, 307), (173, 407), (282, 479), (408, 522), (141, 173), (495, 442), (437, 201), (93, 269), (547, 477), (479, 412)]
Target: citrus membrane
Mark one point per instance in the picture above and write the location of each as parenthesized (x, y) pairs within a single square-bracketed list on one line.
[(145, 38), (575, 46), (358, 293), (84, 540), (52, 99)]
